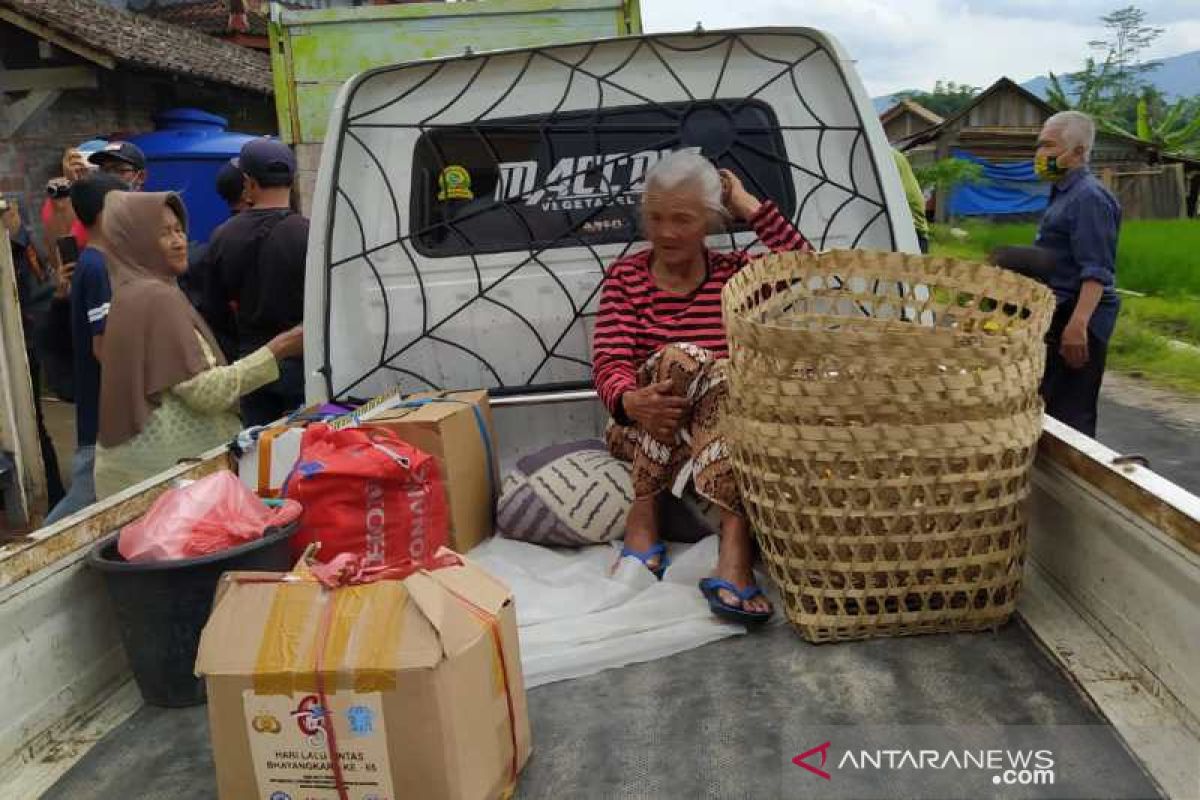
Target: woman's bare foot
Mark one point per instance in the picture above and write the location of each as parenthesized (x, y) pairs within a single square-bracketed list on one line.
[(735, 563), (641, 529)]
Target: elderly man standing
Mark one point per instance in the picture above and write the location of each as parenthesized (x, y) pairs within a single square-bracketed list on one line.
[(1079, 234)]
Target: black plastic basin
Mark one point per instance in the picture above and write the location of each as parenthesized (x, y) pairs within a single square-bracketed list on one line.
[(162, 606)]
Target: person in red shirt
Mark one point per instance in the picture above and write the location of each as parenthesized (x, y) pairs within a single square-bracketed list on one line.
[(58, 218), (658, 364)]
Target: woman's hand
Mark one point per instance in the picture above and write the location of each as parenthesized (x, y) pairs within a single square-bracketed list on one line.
[(739, 202), (656, 409), (289, 344)]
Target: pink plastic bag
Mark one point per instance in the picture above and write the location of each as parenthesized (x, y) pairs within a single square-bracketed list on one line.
[(212, 514)]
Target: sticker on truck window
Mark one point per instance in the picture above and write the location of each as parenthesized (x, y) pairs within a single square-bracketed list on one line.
[(576, 179)]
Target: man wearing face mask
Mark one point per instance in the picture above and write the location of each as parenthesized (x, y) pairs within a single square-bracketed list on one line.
[(1078, 234), (123, 159)]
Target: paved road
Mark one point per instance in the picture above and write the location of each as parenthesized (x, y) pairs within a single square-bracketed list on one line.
[(1163, 427)]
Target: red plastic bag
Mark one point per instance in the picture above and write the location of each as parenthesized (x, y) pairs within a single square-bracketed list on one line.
[(214, 513), (368, 493)]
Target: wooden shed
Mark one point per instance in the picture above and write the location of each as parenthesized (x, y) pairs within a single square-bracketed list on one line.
[(906, 119), (1002, 124)]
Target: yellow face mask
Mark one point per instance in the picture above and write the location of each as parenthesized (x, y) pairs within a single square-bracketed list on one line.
[(1047, 168)]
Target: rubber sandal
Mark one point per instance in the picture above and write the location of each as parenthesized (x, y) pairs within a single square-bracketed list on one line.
[(657, 549), (710, 587)]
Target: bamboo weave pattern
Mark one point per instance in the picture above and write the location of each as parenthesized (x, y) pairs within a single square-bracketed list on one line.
[(884, 414)]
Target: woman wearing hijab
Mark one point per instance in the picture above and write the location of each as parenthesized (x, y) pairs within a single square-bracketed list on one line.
[(166, 392)]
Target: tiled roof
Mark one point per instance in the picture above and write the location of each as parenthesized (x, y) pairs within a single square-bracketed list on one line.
[(206, 16), (139, 41)]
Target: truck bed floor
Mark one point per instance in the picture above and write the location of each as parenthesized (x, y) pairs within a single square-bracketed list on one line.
[(721, 721)]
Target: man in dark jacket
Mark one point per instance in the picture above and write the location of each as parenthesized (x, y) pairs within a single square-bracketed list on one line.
[(231, 186), (1079, 230), (253, 275)]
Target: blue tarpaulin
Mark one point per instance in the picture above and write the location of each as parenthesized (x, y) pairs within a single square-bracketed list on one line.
[(1011, 188)]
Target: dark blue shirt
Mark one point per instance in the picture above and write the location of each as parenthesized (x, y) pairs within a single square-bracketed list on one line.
[(1080, 227), (90, 298)]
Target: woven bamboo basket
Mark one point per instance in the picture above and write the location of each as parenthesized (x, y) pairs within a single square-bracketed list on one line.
[(883, 420)]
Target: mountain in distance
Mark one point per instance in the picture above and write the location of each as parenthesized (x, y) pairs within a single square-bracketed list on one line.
[(1179, 76)]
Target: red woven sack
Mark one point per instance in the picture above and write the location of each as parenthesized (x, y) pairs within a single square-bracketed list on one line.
[(368, 493)]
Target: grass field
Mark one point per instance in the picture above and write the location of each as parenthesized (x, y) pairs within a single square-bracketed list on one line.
[(1157, 258)]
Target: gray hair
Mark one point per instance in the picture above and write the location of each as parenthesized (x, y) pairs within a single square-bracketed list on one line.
[(1078, 129), (688, 169)]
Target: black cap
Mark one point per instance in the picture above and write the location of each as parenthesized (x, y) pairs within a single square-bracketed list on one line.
[(230, 182), (87, 195), (127, 152), (268, 161)]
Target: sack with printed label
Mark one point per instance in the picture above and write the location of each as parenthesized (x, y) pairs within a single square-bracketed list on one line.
[(368, 493)]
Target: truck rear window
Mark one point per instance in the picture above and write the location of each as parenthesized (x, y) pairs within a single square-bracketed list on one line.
[(576, 178)]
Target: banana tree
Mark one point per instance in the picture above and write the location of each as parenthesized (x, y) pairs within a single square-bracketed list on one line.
[(1177, 131), (1087, 90)]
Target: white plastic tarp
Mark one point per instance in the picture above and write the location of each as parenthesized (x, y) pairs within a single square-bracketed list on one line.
[(576, 615)]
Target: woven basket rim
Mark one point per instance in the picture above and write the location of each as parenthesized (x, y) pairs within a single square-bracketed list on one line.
[(1040, 301)]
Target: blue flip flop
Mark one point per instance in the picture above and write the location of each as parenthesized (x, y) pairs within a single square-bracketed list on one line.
[(657, 549), (710, 587)]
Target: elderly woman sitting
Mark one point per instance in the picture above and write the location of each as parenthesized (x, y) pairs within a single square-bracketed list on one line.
[(658, 357)]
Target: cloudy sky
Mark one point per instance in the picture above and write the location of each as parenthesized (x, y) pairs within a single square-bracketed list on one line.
[(902, 44)]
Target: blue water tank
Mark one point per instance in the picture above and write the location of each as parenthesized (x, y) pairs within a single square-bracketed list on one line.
[(183, 155)]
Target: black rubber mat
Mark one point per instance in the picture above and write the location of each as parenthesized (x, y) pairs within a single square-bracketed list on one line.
[(721, 721)]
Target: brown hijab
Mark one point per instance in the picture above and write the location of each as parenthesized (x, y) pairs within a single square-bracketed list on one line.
[(150, 340)]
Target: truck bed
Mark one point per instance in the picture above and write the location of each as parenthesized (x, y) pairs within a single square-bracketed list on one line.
[(1104, 646), (721, 721)]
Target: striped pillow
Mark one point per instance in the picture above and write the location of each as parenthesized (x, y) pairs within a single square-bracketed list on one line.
[(577, 494)]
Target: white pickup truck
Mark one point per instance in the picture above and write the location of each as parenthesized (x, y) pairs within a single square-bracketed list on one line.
[(495, 287)]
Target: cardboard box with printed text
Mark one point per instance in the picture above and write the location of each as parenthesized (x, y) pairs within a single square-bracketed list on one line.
[(422, 681)]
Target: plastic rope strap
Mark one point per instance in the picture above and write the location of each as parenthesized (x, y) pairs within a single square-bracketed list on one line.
[(335, 762), (493, 625)]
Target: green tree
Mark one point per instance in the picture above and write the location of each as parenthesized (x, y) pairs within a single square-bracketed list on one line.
[(1087, 90), (946, 99), (1111, 88), (1128, 37)]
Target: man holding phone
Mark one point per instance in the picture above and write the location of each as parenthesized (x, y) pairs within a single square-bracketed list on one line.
[(90, 294), (53, 334), (58, 219)]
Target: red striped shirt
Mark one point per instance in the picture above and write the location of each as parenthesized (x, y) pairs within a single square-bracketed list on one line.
[(636, 318)]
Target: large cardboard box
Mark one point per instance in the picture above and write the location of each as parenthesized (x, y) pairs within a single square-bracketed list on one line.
[(447, 426), (422, 681)]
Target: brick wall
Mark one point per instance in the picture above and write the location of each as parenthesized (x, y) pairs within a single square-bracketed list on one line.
[(124, 103)]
